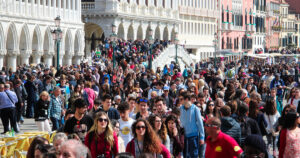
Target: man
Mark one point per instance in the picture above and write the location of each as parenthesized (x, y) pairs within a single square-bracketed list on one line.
[(106, 107), (8, 99), (201, 100), (143, 109), (125, 122), (32, 90), (157, 88), (279, 85), (169, 100), (80, 123), (192, 123), (218, 143), (73, 149), (132, 109), (96, 106), (161, 107), (229, 125), (55, 108), (21, 94)]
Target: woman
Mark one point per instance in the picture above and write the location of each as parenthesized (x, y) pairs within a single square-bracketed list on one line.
[(101, 139), (278, 102), (263, 90), (35, 142), (116, 127), (44, 151), (176, 134), (209, 111), (91, 94), (229, 91), (41, 116), (272, 115), (58, 139), (145, 141), (290, 137), (77, 93), (258, 116), (294, 98), (160, 129)]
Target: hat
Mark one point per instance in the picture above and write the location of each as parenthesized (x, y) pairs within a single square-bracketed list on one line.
[(257, 142), (166, 88)]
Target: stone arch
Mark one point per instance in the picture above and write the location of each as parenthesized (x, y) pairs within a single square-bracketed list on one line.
[(147, 32), (121, 33), (140, 33), (94, 34), (68, 43), (2, 38), (166, 34), (12, 38), (130, 34), (47, 45), (36, 39), (77, 45), (24, 38), (157, 33), (173, 34)]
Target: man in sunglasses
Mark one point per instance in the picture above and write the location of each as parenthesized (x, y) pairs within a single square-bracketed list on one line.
[(143, 109), (80, 123), (219, 144)]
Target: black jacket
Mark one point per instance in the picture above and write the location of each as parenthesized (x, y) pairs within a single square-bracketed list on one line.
[(41, 110), (232, 128)]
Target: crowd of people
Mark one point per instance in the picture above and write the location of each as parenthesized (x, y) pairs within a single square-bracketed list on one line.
[(129, 110)]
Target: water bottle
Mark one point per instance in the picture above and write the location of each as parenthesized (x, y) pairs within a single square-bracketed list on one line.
[(12, 132)]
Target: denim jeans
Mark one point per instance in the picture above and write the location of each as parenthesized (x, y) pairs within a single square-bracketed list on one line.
[(55, 123), (191, 147)]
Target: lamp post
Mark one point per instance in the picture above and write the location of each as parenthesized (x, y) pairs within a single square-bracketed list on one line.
[(150, 40), (57, 36), (176, 46), (113, 39), (215, 45)]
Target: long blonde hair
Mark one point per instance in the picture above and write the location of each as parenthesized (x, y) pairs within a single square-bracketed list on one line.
[(109, 132)]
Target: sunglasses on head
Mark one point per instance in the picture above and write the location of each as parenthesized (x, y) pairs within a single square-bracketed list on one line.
[(102, 120), (210, 125), (144, 100), (140, 127)]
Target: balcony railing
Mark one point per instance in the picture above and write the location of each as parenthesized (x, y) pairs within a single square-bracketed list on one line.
[(276, 28), (289, 30), (88, 5)]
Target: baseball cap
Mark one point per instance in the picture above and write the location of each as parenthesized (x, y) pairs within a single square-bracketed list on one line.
[(166, 88)]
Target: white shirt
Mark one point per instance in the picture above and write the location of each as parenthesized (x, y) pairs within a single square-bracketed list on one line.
[(295, 102), (125, 130)]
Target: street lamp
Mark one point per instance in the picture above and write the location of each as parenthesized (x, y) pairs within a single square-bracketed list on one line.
[(57, 36), (150, 40), (176, 46), (215, 45), (113, 39)]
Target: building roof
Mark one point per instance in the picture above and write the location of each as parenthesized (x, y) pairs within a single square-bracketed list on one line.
[(294, 6)]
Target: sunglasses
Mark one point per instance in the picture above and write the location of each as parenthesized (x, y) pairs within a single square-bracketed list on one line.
[(144, 100), (210, 125), (102, 120), (211, 104), (140, 127)]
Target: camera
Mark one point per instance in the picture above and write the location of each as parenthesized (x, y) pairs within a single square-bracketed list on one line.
[(101, 156)]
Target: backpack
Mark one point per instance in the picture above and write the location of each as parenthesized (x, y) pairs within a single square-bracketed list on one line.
[(230, 73)]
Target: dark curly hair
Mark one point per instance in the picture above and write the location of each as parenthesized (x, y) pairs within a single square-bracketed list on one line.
[(151, 143), (173, 118)]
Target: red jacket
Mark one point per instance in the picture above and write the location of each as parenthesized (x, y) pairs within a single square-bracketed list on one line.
[(282, 139), (102, 146), (131, 149)]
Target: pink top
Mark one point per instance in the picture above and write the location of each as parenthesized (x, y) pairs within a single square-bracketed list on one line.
[(292, 149), (91, 97)]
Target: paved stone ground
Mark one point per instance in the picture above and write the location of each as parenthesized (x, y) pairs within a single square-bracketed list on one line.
[(28, 125)]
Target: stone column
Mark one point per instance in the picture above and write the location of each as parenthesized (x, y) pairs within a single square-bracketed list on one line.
[(26, 7), (68, 59), (76, 59), (12, 59), (25, 57), (88, 50), (54, 7), (37, 57), (48, 60), (2, 55), (31, 8)]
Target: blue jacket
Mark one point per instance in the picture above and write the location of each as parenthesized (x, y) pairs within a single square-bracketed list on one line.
[(232, 128), (192, 122), (55, 107), (8, 102)]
